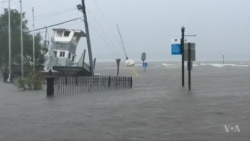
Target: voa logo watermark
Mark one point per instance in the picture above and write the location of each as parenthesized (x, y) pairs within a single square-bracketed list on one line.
[(229, 128)]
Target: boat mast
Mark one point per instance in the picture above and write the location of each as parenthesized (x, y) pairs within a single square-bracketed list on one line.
[(122, 42)]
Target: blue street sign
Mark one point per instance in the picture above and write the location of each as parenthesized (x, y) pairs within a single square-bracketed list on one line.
[(176, 49)]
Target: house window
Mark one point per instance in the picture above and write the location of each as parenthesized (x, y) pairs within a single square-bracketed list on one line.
[(62, 54), (73, 58), (55, 52), (69, 55), (59, 33), (66, 33)]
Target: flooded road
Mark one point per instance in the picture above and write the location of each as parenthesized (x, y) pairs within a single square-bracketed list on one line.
[(156, 108)]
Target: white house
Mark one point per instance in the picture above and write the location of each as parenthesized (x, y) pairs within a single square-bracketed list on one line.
[(64, 44)]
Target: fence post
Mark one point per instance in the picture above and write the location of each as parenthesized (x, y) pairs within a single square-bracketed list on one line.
[(116, 81), (76, 80), (50, 84), (131, 82), (66, 80), (109, 81)]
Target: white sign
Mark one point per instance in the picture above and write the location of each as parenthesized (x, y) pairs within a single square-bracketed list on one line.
[(232, 128)]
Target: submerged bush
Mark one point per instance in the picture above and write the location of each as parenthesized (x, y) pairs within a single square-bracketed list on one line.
[(22, 83), (33, 81), (37, 81)]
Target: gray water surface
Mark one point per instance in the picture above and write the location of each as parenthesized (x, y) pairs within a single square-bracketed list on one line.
[(157, 108)]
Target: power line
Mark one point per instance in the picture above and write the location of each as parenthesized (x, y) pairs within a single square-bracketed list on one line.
[(55, 24), (106, 42), (102, 30), (108, 45), (5, 1), (108, 23), (53, 13)]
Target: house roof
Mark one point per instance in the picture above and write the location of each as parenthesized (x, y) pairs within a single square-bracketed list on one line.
[(81, 33)]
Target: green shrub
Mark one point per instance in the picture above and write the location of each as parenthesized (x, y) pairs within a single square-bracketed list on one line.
[(37, 81), (33, 81), (22, 83)]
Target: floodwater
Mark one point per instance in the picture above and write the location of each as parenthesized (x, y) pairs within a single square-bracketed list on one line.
[(156, 108)]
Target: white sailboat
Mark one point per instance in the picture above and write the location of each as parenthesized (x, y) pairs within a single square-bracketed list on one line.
[(128, 62)]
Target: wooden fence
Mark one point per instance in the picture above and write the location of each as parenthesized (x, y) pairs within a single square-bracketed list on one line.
[(82, 84)]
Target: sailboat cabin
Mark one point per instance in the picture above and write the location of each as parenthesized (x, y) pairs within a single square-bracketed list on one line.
[(64, 43)]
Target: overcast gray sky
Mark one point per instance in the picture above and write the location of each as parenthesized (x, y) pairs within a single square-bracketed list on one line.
[(221, 26)]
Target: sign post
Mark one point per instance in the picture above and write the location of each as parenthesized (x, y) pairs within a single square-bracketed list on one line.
[(182, 55), (145, 64), (189, 56), (143, 58), (187, 52), (118, 65), (189, 66), (192, 51)]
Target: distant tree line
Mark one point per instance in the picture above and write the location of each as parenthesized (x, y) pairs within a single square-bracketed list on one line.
[(40, 49)]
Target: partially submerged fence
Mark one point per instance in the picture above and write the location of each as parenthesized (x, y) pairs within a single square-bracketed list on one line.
[(81, 84)]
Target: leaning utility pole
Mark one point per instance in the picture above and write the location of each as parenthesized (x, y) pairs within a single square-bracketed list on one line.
[(88, 38)]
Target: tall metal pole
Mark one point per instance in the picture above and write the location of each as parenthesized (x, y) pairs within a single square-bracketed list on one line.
[(34, 60), (9, 33), (182, 55), (21, 33), (45, 38), (88, 38), (34, 57), (189, 66), (118, 66)]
